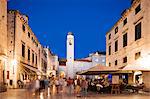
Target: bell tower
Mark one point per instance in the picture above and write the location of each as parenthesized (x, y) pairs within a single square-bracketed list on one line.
[(70, 55), (70, 47)]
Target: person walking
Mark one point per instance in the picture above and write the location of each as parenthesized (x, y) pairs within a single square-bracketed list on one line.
[(51, 84), (65, 86), (37, 86), (57, 84), (70, 85), (46, 83), (77, 86), (29, 89), (84, 87), (61, 83)]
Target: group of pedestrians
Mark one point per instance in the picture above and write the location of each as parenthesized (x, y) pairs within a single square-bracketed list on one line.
[(81, 86), (35, 86), (57, 85), (77, 86)]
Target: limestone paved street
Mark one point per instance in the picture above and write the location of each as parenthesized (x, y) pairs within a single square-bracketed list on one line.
[(21, 94)]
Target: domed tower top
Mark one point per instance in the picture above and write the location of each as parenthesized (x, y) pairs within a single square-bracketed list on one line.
[(70, 33)]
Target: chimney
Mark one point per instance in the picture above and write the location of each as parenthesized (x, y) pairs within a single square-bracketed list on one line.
[(132, 1)]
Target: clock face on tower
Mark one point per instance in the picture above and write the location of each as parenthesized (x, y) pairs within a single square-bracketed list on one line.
[(70, 43)]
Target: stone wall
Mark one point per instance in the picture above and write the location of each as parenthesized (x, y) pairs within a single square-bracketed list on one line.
[(3, 37)]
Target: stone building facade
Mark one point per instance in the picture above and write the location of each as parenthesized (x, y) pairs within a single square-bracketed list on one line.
[(26, 56), (3, 39), (52, 62), (128, 42)]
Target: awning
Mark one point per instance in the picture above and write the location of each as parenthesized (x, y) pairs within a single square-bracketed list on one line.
[(99, 69), (122, 72), (33, 69), (27, 71), (136, 68)]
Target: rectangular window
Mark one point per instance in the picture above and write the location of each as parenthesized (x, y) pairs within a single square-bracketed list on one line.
[(137, 9), (36, 59), (125, 60), (28, 54), (29, 34), (138, 31), (42, 63), (137, 55), (23, 50), (33, 57), (7, 74), (33, 40), (36, 44), (116, 62), (53, 67), (116, 29), (109, 37), (109, 64), (116, 46), (125, 40), (125, 22), (23, 28), (109, 50)]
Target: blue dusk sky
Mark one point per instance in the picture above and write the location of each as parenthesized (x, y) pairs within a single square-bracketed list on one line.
[(89, 20)]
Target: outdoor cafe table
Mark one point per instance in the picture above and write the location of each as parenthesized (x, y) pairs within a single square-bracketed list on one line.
[(134, 87)]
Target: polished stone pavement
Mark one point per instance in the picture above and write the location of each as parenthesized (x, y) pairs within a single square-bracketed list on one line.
[(22, 94)]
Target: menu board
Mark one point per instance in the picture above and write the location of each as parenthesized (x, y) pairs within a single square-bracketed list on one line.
[(115, 79)]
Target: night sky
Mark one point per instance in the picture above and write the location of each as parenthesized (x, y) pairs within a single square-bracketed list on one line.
[(89, 20)]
